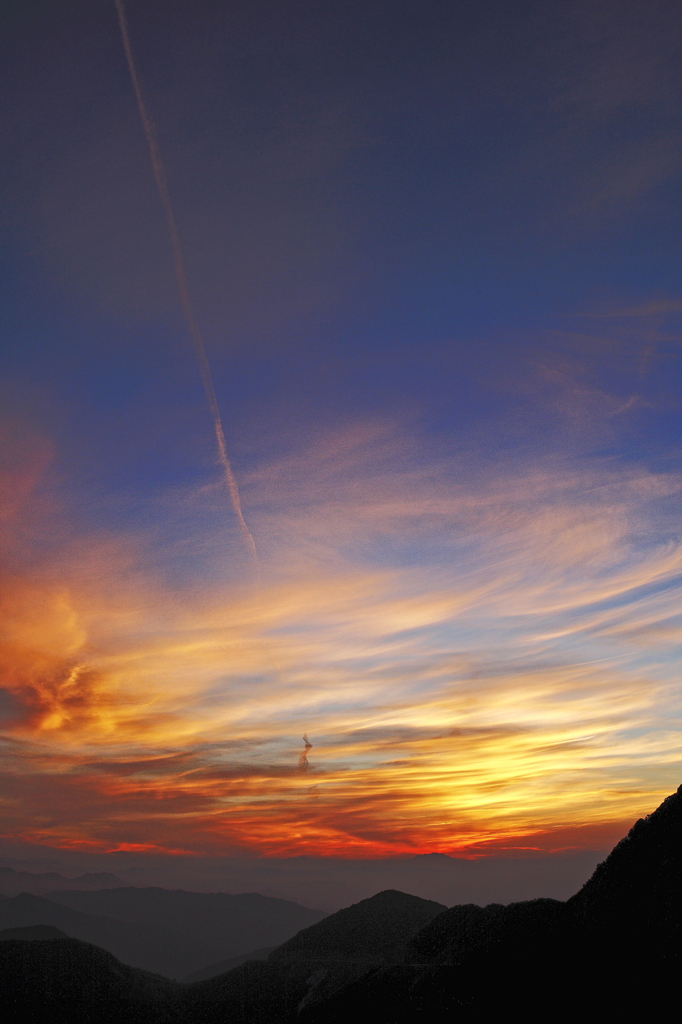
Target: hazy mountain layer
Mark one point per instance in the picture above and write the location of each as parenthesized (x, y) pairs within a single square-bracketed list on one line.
[(169, 933), (33, 931), (223, 966)]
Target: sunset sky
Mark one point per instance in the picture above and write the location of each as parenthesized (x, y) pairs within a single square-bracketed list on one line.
[(433, 249)]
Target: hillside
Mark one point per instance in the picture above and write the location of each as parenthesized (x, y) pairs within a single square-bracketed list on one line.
[(637, 890), (64, 981)]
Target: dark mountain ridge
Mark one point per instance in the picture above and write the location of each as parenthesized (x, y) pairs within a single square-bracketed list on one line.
[(611, 950)]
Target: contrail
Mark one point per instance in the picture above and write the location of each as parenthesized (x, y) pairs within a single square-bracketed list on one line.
[(193, 326)]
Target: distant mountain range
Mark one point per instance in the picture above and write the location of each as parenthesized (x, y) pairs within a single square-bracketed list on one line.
[(13, 882), (610, 952)]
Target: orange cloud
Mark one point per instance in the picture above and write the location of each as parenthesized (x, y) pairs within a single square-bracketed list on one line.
[(475, 658)]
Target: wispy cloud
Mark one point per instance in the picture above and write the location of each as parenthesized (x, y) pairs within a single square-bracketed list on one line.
[(477, 655)]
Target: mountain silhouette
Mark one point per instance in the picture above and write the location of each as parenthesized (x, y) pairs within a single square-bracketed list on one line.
[(611, 951), (317, 962), (373, 931)]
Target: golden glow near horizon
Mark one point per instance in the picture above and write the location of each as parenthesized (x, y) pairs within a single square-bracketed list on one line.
[(481, 662)]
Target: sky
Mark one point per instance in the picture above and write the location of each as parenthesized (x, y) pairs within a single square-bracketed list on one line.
[(433, 251)]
